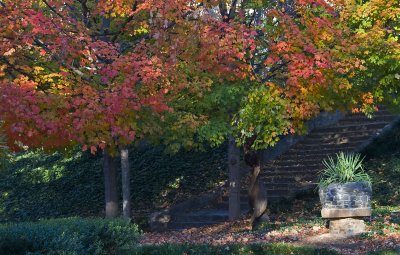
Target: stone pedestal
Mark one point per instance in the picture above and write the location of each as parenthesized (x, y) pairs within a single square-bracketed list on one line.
[(346, 222), (347, 226), (344, 204), (332, 213)]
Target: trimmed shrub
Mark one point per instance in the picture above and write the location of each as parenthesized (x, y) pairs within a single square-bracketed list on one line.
[(68, 236)]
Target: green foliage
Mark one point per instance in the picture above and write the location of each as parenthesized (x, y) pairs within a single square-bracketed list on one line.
[(68, 236), (159, 179), (252, 249), (263, 114), (383, 159), (382, 222), (202, 117), (346, 168), (384, 146), (378, 49), (39, 185), (384, 172)]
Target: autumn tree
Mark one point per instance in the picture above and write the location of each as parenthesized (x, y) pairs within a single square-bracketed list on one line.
[(102, 74), (71, 75), (97, 73), (376, 28), (304, 58)]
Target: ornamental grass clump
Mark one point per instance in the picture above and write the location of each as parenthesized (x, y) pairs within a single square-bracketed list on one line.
[(347, 167)]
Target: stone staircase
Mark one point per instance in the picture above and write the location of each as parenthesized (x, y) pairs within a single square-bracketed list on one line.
[(296, 170)]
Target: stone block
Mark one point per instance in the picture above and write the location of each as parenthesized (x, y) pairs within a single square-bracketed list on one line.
[(158, 221), (332, 213), (346, 195), (346, 227)]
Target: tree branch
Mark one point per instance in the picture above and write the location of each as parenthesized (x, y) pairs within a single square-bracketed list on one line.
[(85, 13), (223, 10), (14, 67), (126, 22), (52, 9), (232, 10)]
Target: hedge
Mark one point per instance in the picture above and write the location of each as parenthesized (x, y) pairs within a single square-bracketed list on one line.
[(68, 236)]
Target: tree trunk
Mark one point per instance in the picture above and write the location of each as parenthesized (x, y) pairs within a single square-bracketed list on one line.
[(234, 179), (257, 191), (126, 178), (110, 185)]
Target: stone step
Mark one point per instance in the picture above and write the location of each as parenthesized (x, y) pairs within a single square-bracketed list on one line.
[(190, 224), (279, 194), (336, 139), (211, 215), (244, 205), (322, 145), (354, 127), (289, 186), (321, 136), (364, 119), (328, 145), (360, 114), (315, 156), (290, 178), (293, 178), (297, 170), (293, 168), (274, 195), (302, 152), (296, 161)]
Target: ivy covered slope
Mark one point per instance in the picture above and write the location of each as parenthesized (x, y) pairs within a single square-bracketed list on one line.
[(39, 185), (383, 165)]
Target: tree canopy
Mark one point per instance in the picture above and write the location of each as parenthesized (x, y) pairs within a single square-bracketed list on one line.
[(104, 73)]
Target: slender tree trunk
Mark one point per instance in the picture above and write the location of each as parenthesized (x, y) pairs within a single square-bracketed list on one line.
[(234, 179), (110, 185), (257, 191), (126, 178)]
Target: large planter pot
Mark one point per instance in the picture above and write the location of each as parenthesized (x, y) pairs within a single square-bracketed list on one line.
[(341, 200)]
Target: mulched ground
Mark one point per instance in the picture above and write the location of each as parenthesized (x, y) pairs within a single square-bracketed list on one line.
[(311, 235)]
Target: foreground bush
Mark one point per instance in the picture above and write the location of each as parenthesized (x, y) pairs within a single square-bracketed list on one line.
[(252, 249), (68, 236)]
